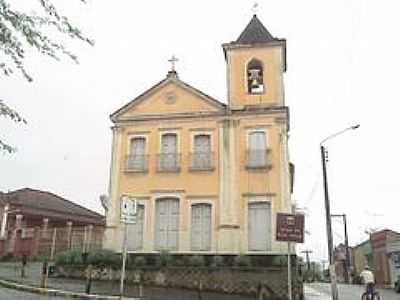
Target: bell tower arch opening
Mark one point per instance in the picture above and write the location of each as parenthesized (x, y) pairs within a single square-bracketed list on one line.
[(255, 77)]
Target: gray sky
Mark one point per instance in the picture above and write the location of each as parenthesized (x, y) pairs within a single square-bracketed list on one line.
[(342, 66)]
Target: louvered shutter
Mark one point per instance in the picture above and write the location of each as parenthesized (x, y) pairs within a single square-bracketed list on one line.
[(169, 149), (173, 224), (202, 151), (196, 227), (167, 224), (135, 231), (259, 226), (201, 227), (137, 153), (206, 227), (161, 224), (257, 149)]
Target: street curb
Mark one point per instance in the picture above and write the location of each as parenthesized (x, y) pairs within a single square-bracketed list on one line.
[(54, 292)]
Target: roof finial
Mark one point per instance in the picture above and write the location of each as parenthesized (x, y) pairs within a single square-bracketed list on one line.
[(255, 8), (173, 60), (172, 71)]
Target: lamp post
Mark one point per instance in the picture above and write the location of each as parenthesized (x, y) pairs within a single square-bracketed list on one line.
[(328, 210)]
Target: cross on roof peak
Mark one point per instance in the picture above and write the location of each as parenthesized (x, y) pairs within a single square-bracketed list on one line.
[(173, 60), (254, 8)]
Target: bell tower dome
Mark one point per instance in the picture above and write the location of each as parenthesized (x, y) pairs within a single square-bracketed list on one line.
[(255, 62)]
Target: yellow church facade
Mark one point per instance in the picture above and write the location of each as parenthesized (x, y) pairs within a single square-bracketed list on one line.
[(209, 177)]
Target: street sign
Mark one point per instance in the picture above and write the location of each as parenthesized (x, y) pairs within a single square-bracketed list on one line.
[(128, 210), (128, 216), (290, 228)]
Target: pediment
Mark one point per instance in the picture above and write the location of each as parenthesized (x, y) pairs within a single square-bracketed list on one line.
[(170, 96)]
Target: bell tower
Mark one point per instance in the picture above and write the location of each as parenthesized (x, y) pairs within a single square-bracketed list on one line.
[(255, 62)]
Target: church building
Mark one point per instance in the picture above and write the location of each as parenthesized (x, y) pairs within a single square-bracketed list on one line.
[(209, 177)]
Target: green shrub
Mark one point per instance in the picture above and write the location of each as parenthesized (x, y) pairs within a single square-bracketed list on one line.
[(164, 259), (279, 260), (196, 261), (139, 261), (98, 258), (70, 257), (104, 258), (217, 261), (179, 262), (242, 261)]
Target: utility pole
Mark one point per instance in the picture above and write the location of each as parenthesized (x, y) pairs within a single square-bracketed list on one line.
[(328, 209), (307, 252), (329, 226), (346, 244), (332, 273)]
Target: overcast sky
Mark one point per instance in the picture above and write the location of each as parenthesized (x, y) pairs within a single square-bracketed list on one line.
[(343, 65)]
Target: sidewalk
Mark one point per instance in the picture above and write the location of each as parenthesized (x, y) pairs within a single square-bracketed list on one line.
[(12, 271), (313, 294)]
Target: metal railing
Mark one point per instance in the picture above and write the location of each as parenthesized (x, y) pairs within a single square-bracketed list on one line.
[(259, 159), (169, 162), (201, 161), (137, 163)]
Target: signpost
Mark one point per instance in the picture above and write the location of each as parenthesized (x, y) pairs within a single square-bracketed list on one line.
[(290, 228), (128, 216)]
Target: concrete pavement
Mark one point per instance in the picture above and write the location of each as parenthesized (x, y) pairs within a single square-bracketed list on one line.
[(321, 291), (9, 294)]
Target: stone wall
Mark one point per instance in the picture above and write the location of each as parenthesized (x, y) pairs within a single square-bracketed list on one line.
[(246, 281)]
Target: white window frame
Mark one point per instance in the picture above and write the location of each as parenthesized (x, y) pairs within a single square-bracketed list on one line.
[(131, 137), (178, 139), (143, 204), (160, 196), (267, 145), (178, 148), (192, 146), (259, 199), (213, 223)]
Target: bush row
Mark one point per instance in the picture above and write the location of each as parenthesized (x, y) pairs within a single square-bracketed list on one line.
[(107, 258)]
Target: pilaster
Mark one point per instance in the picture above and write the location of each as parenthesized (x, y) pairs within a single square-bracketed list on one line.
[(228, 227), (112, 217)]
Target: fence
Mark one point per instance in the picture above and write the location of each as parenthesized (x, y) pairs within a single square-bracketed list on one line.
[(37, 241)]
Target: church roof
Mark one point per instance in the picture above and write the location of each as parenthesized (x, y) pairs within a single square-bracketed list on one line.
[(50, 204), (255, 33)]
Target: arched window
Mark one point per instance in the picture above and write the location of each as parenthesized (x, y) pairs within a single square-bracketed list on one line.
[(255, 77)]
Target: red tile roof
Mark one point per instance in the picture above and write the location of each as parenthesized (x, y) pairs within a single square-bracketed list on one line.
[(50, 203)]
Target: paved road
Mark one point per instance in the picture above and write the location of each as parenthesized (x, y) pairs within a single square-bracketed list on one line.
[(321, 291), (8, 294)]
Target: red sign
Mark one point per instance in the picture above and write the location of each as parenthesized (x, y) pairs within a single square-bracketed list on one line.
[(290, 228)]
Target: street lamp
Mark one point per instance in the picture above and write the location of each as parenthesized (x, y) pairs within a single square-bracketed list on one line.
[(328, 210)]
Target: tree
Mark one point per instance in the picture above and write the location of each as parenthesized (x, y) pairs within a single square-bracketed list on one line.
[(20, 32)]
